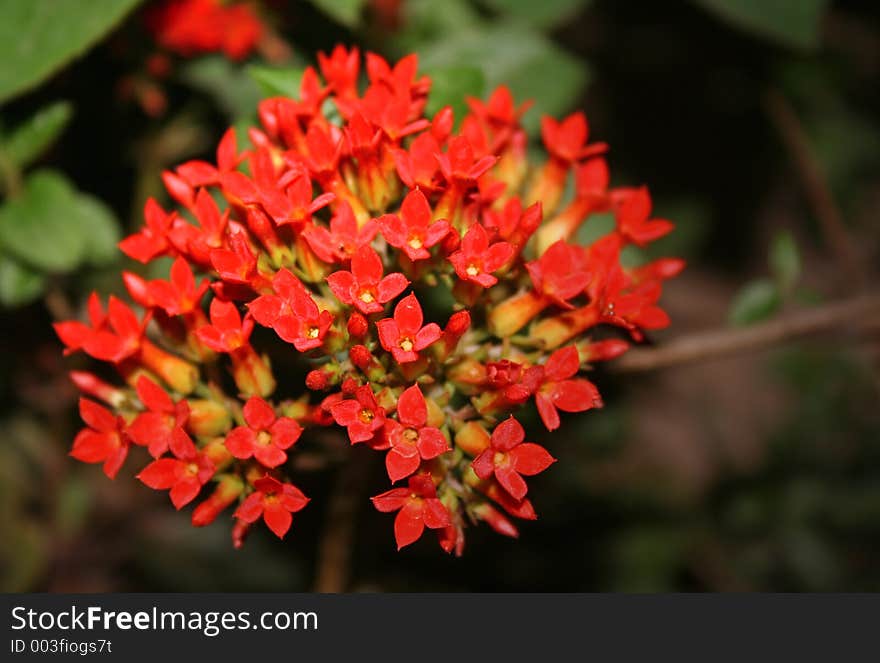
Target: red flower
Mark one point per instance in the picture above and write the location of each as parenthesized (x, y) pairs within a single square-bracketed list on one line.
[(413, 230), (417, 506), (343, 239), (364, 286), (460, 164), (104, 441), (154, 428), (180, 294), (275, 502), (403, 335), (266, 436), (201, 173), (184, 475), (477, 259), (112, 337), (152, 240), (295, 206), (558, 391), (227, 331), (410, 437), (237, 264), (361, 415), (560, 273), (566, 140), (341, 69), (292, 313), (632, 208), (508, 458)]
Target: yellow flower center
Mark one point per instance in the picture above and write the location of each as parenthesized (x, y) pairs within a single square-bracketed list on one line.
[(406, 345), (313, 332), (263, 438), (410, 435), (472, 270), (415, 243), (367, 297), (367, 416)]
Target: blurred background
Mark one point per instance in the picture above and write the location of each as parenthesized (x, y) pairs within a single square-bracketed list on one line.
[(756, 125)]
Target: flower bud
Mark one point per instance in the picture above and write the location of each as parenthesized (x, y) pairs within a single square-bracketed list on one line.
[(177, 373), (91, 384), (496, 520), (357, 326), (472, 438), (228, 490), (207, 418)]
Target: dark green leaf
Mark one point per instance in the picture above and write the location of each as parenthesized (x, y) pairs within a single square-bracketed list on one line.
[(52, 227), (528, 63), (756, 301), (791, 22), (450, 86), (785, 261), (30, 138), (347, 12), (540, 13), (18, 284), (38, 37), (274, 82)]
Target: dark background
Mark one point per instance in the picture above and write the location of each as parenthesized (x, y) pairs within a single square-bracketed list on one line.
[(755, 472)]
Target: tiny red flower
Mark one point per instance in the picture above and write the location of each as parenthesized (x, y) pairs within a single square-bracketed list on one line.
[(227, 331), (180, 294), (292, 313), (508, 458), (184, 474), (560, 273), (364, 286), (113, 336), (343, 239), (411, 439), (295, 206), (566, 140), (266, 436), (361, 415), (275, 502), (632, 209), (403, 335), (459, 162), (477, 259), (417, 506), (154, 428), (104, 441), (152, 240), (413, 231), (558, 391)]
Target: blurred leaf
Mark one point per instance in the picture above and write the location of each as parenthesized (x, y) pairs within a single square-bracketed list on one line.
[(347, 12), (450, 85), (73, 504), (230, 86), (594, 228), (54, 228), (791, 22), (532, 66), (785, 260), (18, 284), (274, 82), (540, 13), (756, 301), (422, 22), (38, 37), (29, 139), (98, 223)]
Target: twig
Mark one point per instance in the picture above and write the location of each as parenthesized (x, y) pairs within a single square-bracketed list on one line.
[(816, 188), (716, 344), (335, 547)]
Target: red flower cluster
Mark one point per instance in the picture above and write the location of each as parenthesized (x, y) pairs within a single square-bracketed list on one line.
[(193, 27), (345, 235)]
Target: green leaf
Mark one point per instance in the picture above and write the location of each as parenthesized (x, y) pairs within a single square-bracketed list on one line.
[(347, 12), (785, 261), (791, 22), (99, 224), (450, 85), (230, 86), (540, 13), (19, 285), (31, 138), (38, 37), (756, 301), (275, 82), (52, 227), (532, 66)]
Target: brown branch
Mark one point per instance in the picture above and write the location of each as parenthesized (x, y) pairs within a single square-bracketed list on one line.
[(816, 187), (334, 550), (717, 344)]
